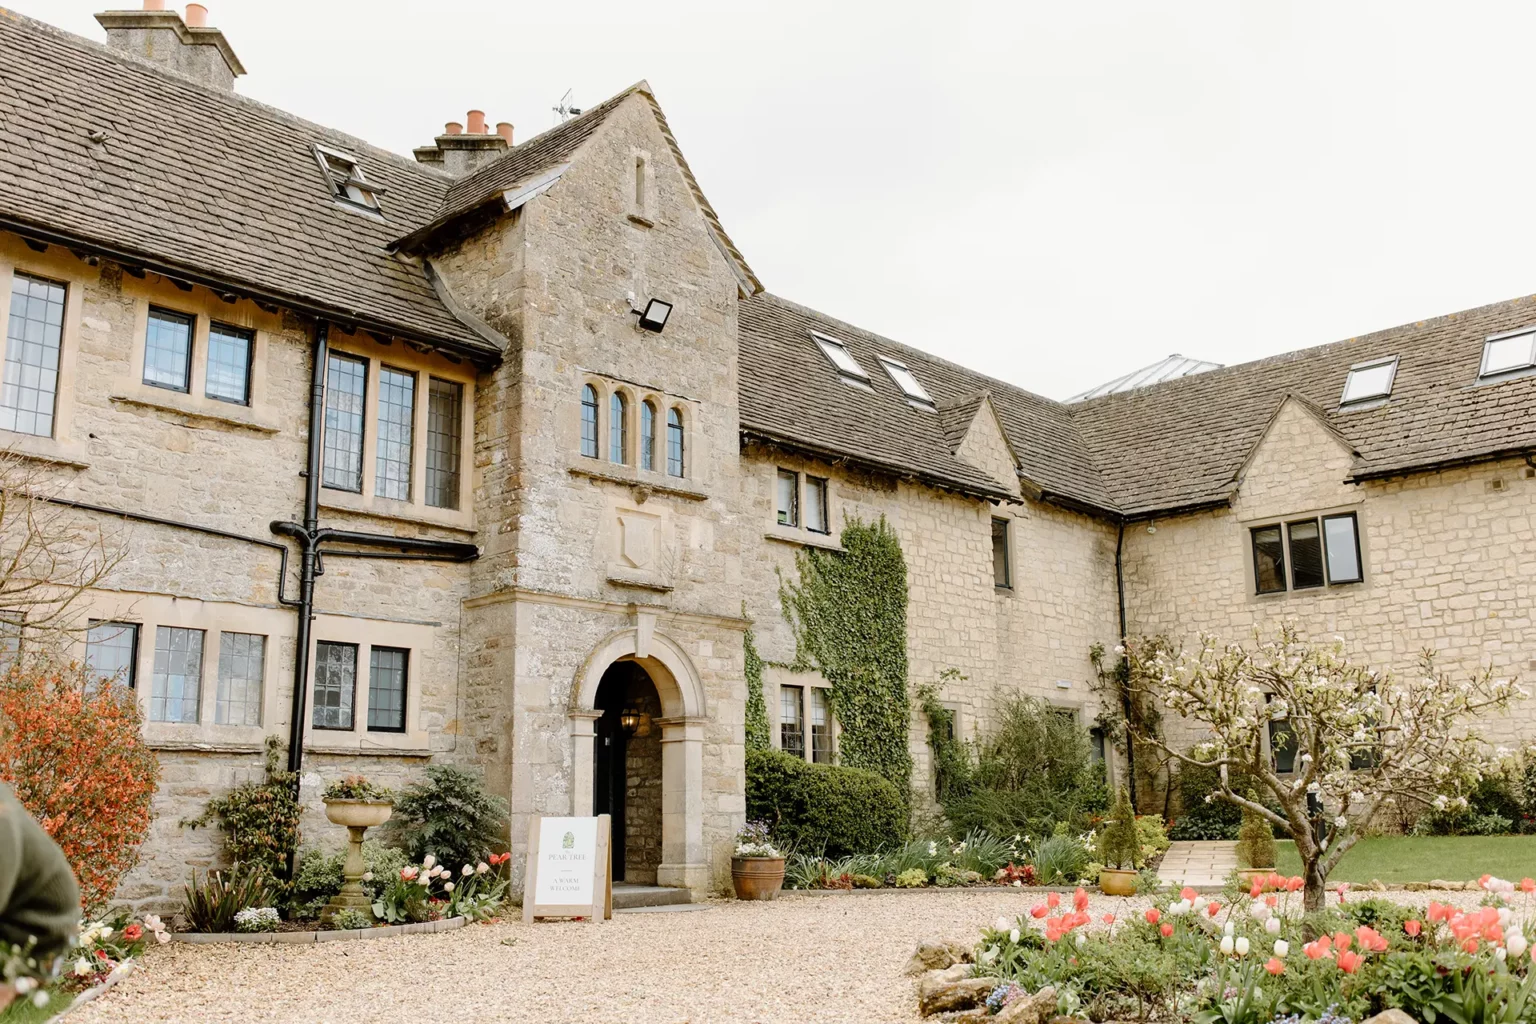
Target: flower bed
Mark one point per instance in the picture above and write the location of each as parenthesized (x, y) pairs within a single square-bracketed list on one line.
[(328, 935), (104, 952), (1253, 957)]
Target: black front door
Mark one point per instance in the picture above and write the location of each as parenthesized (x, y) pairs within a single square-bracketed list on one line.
[(610, 776)]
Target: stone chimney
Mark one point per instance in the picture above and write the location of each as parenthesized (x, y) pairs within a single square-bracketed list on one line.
[(188, 46), (461, 148)]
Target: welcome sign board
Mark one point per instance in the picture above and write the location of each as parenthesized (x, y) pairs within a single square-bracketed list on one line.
[(569, 870)]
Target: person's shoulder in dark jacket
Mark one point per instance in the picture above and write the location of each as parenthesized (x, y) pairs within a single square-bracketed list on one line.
[(39, 898)]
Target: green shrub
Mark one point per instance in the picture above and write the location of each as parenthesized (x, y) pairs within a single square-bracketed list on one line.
[(350, 918), (1255, 841), (211, 905), (1152, 837), (1118, 843), (1199, 818), (915, 878), (1060, 859), (260, 819), (822, 807), (317, 877), (450, 816)]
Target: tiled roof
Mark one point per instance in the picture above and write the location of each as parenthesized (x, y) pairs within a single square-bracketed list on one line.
[(791, 393), (207, 181), (1182, 442)]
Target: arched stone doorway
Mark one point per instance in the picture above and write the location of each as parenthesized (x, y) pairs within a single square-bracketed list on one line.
[(679, 694), (626, 769)]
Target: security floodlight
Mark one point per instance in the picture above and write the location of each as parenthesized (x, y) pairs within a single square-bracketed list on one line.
[(654, 316)]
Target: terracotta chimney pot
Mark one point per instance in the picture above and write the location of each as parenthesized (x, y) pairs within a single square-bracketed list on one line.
[(504, 129), (453, 128), (476, 124), (154, 5), (197, 16)]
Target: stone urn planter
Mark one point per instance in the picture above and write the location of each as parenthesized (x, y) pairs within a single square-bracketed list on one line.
[(757, 878), (1117, 882), (358, 816)]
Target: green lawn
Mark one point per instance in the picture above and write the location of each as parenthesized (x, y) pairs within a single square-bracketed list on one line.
[(1422, 858)]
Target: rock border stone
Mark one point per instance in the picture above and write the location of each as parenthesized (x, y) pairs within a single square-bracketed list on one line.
[(336, 935)]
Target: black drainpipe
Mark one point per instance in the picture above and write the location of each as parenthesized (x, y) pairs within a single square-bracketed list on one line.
[(1125, 699)]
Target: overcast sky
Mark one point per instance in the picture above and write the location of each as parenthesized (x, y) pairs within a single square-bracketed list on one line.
[(1053, 193)]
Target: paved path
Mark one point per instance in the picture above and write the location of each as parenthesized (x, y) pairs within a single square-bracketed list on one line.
[(1198, 863)]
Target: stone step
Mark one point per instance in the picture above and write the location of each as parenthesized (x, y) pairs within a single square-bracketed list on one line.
[(628, 897)]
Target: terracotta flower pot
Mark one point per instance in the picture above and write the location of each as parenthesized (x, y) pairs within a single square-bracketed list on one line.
[(757, 878), (359, 813), (1117, 882), (1248, 875)]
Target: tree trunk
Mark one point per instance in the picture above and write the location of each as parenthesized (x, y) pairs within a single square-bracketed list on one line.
[(1316, 889)]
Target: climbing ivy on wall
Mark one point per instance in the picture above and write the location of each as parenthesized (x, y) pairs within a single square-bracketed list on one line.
[(758, 737), (952, 768), (848, 612)]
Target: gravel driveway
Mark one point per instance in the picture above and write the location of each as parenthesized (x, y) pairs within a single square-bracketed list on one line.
[(797, 960)]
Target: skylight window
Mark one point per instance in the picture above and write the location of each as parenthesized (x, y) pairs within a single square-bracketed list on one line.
[(1506, 353), (346, 179), (837, 352), (907, 382), (1369, 381)]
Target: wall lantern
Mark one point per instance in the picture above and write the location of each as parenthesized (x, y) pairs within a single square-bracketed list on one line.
[(654, 316), (629, 721)]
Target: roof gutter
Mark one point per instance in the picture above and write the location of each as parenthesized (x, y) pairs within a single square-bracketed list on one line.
[(231, 289), (1517, 451), (872, 465)]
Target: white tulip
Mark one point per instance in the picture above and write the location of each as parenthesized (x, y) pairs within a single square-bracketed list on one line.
[(1082, 940), (1515, 943), (1272, 926), (1226, 929), (428, 861), (1013, 936), (1242, 945), (448, 887), (1282, 948), (468, 870), (1001, 924), (1227, 945), (1500, 953)]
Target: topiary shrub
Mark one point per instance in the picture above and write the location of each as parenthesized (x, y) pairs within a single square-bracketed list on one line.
[(1255, 841), (1118, 842), (78, 763), (450, 816), (823, 807)]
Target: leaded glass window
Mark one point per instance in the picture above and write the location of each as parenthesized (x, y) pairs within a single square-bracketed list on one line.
[(168, 350), (242, 667), (792, 720), (111, 650), (346, 391), (386, 689), (589, 421), (1268, 560), (618, 429), (445, 412), (647, 436), (674, 443), (397, 420), (176, 687), (229, 364), (821, 726), (335, 685), (34, 331)]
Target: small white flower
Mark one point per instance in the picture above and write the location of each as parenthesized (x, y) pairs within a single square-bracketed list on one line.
[(367, 876), (482, 868), (1282, 948), (40, 998), (468, 870), (82, 967), (1013, 936), (1082, 940), (23, 985), (162, 936), (1272, 926), (1341, 821), (1242, 945), (1313, 787), (448, 887), (1500, 953), (1258, 911), (1018, 884), (1356, 797), (106, 931), (152, 922), (1227, 945)]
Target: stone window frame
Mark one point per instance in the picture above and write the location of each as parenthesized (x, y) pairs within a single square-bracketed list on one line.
[(1079, 712), (426, 366), (1284, 524), (640, 200), (416, 639), (775, 679), (1006, 586), (635, 398), (61, 447), (205, 310), (797, 531)]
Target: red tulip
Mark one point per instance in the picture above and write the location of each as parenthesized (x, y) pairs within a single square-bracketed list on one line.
[(1080, 898), (1053, 900), (1256, 889), (1470, 945), (1413, 926), (1038, 911), (1528, 885), (1187, 893), (1213, 908), (1274, 966), (1342, 940), (1349, 962), (1271, 901), (1167, 931), (1109, 918), (1152, 915)]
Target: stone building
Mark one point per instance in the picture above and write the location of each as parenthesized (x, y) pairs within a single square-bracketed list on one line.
[(521, 430)]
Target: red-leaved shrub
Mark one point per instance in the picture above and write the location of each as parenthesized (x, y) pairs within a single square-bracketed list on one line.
[(78, 762)]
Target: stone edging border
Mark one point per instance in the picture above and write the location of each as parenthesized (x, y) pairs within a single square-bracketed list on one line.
[(1438, 885), (339, 935)]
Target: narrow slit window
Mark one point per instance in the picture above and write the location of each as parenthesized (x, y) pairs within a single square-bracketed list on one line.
[(906, 381), (647, 435), (1508, 353), (242, 667), (445, 417), (168, 350), (1002, 568), (821, 726), (837, 353), (816, 505), (674, 443), (176, 688), (33, 334), (640, 184), (1369, 381), (1341, 538), (346, 391), (386, 689), (335, 685), (792, 720), (1306, 554), (111, 654), (788, 498), (1268, 560), (397, 422), (229, 364), (618, 429), (589, 421)]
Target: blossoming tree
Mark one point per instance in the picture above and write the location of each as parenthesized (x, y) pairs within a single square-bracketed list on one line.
[(1362, 739)]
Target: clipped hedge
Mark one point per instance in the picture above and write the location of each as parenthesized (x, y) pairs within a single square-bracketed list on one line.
[(822, 807)]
